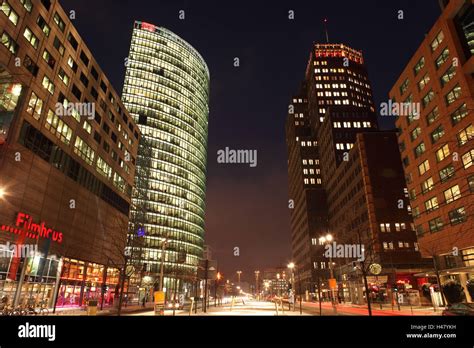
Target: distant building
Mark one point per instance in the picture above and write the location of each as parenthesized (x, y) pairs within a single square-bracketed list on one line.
[(276, 281), (337, 125), (335, 77), (307, 196)]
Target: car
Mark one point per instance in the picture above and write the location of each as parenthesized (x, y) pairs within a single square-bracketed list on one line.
[(459, 309)]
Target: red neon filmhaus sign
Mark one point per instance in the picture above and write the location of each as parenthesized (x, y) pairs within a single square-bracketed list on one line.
[(24, 224)]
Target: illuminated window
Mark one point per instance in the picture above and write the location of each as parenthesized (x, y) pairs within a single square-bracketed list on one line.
[(35, 106), (120, 183), (420, 150), (58, 128), (457, 216), (465, 135), (424, 167), (448, 75), (427, 185), (49, 59), (443, 152), (404, 86), (63, 76), (432, 204), (452, 194), (447, 173), (459, 114), (84, 151), (103, 168), (27, 5), (467, 159), (423, 82), (48, 84), (453, 95), (9, 12), (420, 65), (44, 27), (59, 46), (428, 98), (437, 134), (415, 133), (8, 42), (432, 116), (59, 22), (437, 41), (31, 38), (443, 57)]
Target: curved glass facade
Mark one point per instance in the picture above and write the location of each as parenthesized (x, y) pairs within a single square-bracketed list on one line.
[(166, 91)]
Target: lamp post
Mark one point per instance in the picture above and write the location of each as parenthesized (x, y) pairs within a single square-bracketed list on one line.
[(278, 284), (257, 274), (328, 239), (239, 274), (291, 267), (162, 268), (219, 276)]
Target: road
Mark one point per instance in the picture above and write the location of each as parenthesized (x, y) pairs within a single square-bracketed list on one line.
[(256, 308)]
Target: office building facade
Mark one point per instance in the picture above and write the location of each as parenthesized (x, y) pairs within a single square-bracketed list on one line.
[(166, 90), (67, 162), (437, 143)]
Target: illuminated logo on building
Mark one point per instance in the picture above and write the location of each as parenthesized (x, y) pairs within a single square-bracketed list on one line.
[(24, 224), (141, 232), (149, 27)]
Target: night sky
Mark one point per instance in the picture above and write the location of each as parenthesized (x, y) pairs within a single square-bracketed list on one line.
[(248, 207)]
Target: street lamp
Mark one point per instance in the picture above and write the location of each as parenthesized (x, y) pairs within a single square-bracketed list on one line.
[(239, 273), (257, 274), (327, 240), (218, 278), (162, 267), (3, 193), (291, 266)]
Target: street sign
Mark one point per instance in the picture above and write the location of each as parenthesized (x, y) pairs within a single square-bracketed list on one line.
[(159, 303), (211, 269), (332, 284), (159, 297), (375, 269)]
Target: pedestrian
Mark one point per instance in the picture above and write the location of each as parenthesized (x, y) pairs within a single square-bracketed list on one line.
[(143, 301)]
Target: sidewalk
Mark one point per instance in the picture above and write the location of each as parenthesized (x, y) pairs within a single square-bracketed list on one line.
[(385, 311), (109, 311)]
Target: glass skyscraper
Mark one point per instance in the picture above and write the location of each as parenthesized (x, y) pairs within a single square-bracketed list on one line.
[(166, 91)]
